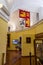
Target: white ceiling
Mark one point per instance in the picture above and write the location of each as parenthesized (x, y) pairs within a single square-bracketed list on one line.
[(10, 3), (13, 4), (31, 5)]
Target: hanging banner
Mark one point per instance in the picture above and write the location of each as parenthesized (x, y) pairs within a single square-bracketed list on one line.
[(26, 15), (22, 14), (27, 22)]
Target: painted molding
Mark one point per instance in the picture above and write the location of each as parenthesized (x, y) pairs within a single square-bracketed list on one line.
[(4, 16), (4, 13), (5, 10)]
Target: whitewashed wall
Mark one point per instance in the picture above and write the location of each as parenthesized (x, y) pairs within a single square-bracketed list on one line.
[(40, 13), (34, 18)]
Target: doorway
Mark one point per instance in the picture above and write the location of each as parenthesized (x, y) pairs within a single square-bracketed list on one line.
[(38, 49)]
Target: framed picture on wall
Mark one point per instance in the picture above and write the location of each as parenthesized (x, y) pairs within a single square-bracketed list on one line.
[(28, 39)]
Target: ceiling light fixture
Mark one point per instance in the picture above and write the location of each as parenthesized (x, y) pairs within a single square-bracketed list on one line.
[(1, 5)]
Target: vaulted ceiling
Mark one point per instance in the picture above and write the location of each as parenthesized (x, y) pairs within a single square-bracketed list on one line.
[(24, 4)]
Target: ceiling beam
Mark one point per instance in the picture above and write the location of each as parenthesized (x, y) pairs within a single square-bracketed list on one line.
[(4, 13)]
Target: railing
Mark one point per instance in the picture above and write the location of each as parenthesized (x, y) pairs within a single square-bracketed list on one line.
[(40, 61), (32, 59), (12, 59)]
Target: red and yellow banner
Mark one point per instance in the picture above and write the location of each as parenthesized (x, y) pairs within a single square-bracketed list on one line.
[(22, 14), (26, 15), (27, 23)]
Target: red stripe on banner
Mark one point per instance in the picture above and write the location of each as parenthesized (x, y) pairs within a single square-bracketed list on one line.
[(27, 22), (28, 15)]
